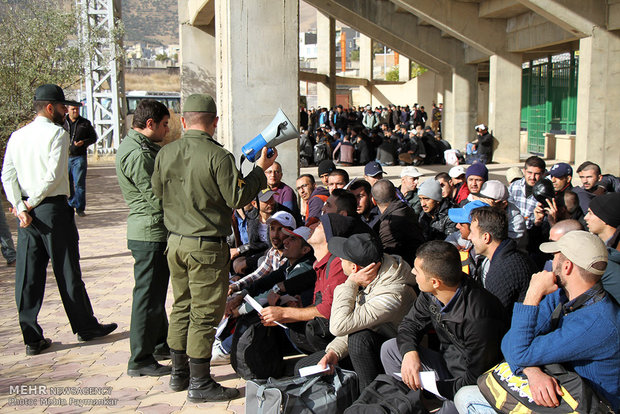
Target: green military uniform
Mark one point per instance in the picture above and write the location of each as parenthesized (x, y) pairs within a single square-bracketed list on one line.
[(199, 185), (146, 238)]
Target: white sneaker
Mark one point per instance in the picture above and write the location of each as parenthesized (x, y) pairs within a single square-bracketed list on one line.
[(219, 357)]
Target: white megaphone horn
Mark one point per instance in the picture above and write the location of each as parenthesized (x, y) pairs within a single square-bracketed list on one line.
[(280, 129)]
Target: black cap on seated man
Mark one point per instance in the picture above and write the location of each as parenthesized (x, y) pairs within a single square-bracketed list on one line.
[(373, 172)]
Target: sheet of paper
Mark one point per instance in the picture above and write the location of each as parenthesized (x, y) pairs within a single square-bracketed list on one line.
[(428, 381), (221, 327), (312, 369), (258, 307)]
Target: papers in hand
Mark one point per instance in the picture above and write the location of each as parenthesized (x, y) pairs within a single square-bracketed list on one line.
[(258, 307), (428, 379), (311, 370)]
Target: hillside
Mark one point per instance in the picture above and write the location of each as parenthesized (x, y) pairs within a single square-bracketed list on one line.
[(153, 21)]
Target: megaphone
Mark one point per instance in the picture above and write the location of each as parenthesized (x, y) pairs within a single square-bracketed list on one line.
[(280, 129)]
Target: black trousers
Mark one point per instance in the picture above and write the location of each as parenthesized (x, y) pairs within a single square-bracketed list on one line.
[(149, 323), (52, 234)]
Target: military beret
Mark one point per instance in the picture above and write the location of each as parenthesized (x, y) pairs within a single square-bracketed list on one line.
[(200, 102)]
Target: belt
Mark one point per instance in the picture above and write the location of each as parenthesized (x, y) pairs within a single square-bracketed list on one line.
[(213, 239)]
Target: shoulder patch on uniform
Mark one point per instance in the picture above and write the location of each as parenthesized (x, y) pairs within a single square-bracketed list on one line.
[(145, 147)]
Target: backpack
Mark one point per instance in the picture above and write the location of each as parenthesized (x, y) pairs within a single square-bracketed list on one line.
[(320, 152), (387, 395), (256, 353)]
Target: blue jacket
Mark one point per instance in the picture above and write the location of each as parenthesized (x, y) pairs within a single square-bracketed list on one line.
[(611, 278), (586, 341)]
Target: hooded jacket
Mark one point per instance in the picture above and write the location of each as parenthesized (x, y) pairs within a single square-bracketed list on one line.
[(399, 231), (380, 306)]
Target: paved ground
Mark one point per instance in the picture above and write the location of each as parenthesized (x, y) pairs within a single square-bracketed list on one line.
[(32, 383)]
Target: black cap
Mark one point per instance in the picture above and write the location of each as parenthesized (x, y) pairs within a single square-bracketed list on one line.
[(361, 249), (53, 93), (543, 191)]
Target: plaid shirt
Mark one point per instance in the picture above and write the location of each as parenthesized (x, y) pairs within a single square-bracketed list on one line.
[(526, 205), (272, 261)]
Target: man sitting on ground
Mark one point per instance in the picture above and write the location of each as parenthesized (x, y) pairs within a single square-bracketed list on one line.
[(398, 227), (409, 179), (366, 209), (603, 219), (495, 194), (337, 179), (585, 336), (373, 172), (469, 322), (521, 190), (506, 272), (435, 223), (341, 202), (284, 194), (462, 217), (367, 307), (476, 175)]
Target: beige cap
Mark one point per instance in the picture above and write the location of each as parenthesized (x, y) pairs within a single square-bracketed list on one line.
[(580, 247), (513, 173)]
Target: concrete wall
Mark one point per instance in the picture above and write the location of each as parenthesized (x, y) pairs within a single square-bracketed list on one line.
[(483, 103)]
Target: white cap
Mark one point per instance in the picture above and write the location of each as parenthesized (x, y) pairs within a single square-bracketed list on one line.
[(303, 232), (480, 127), (456, 172), (494, 190), (410, 172), (284, 218)]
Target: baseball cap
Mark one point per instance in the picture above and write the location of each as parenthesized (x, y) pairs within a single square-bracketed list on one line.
[(301, 232), (456, 172), (361, 249), (200, 102), (513, 173), (373, 168), (580, 247), (265, 195), (561, 169), (410, 172), (462, 215), (480, 127), (52, 93), (284, 218), (494, 190)]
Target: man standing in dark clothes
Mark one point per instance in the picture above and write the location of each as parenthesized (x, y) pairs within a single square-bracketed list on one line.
[(81, 135), (34, 176)]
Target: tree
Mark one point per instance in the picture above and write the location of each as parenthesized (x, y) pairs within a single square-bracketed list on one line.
[(36, 47), (392, 74)]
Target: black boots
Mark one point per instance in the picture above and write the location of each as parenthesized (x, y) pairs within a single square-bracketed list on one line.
[(202, 387), (179, 377)]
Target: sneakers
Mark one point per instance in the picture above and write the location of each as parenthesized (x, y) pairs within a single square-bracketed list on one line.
[(37, 347), (96, 332), (219, 356)]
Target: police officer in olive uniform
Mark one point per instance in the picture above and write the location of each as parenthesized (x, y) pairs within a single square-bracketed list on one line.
[(199, 185), (146, 238)]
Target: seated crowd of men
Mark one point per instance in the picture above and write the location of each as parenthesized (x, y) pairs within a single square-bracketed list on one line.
[(452, 274)]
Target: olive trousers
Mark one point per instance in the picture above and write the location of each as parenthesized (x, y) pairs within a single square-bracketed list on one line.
[(199, 277)]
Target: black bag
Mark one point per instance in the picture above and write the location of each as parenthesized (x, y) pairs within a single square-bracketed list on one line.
[(327, 394), (387, 395), (256, 352), (510, 393)]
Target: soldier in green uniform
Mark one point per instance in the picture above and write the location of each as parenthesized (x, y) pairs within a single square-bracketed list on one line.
[(146, 238), (199, 185)]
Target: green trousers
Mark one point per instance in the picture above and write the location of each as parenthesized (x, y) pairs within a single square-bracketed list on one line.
[(199, 274), (149, 324)]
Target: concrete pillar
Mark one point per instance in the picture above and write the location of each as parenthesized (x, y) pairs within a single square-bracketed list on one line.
[(366, 69), (460, 105), (257, 74), (197, 56), (505, 105), (326, 65), (597, 101), (404, 69)]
